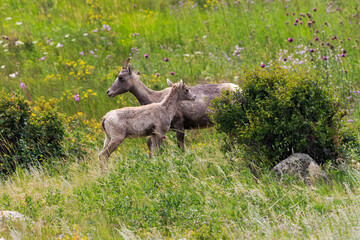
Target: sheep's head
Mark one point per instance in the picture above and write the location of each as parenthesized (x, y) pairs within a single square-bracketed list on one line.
[(122, 83), (183, 90)]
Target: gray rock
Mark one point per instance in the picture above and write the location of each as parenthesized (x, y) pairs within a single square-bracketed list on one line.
[(11, 216), (302, 166)]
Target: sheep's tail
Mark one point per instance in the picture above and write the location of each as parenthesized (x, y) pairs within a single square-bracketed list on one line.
[(103, 124)]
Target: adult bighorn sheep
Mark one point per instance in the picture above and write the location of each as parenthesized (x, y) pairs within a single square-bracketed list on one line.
[(191, 114), (150, 120)]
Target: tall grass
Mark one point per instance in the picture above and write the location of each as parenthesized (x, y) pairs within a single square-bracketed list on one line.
[(199, 39)]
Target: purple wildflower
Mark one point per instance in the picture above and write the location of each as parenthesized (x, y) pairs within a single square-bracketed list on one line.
[(296, 20), (262, 65), (95, 30), (106, 27), (290, 39), (350, 120), (134, 5), (146, 56), (172, 73), (166, 59), (91, 51), (316, 39), (23, 85), (342, 55), (43, 58), (314, 9), (138, 73), (312, 50), (285, 59), (108, 56), (81, 53), (324, 58), (157, 74), (76, 97)]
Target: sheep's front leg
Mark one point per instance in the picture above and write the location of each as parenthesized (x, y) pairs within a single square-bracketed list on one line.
[(156, 141), (178, 125)]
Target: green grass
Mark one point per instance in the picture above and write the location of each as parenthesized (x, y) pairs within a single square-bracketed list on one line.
[(200, 194), (197, 195), (199, 42)]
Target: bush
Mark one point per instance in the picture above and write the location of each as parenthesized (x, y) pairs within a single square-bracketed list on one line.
[(28, 134), (278, 113)]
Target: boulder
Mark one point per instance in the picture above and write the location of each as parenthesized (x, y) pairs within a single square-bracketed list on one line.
[(11, 216), (302, 166)]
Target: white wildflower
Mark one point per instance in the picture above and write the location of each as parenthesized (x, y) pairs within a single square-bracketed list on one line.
[(12, 75), (67, 35), (8, 18), (17, 43), (18, 23), (3, 66), (85, 34)]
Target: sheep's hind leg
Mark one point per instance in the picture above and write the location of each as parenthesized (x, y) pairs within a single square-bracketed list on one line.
[(149, 144), (180, 136), (105, 153)]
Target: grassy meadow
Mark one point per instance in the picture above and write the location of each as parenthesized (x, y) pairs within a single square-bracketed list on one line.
[(71, 51)]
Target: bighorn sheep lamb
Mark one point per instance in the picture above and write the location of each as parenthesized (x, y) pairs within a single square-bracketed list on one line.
[(150, 120), (191, 114)]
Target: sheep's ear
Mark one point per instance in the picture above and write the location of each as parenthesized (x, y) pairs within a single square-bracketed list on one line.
[(169, 82), (130, 69), (181, 84), (126, 63)]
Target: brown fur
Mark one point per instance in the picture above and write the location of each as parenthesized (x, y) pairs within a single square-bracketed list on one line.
[(194, 114), (150, 120)]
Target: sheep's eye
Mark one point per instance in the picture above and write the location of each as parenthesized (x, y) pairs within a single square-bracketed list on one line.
[(186, 90), (121, 79)]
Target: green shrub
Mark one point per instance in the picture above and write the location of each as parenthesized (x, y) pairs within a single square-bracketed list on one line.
[(28, 134), (279, 112)]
